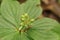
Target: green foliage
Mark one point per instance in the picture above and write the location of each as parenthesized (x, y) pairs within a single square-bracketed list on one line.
[(10, 22), (0, 10), (57, 30), (59, 1)]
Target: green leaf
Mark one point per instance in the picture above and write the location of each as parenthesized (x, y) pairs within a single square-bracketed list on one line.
[(8, 37), (24, 36), (33, 8), (57, 30), (6, 29), (41, 29), (44, 24), (0, 10), (11, 11), (40, 35)]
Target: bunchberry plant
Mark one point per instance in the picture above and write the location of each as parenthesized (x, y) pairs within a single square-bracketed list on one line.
[(22, 22)]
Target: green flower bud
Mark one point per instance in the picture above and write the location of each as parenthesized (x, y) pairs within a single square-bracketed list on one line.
[(25, 14), (22, 24), (32, 20)]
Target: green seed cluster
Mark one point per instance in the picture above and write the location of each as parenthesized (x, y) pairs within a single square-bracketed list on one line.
[(25, 21)]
